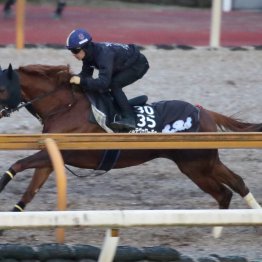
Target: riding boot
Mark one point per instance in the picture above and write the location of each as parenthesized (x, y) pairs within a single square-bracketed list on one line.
[(127, 121)]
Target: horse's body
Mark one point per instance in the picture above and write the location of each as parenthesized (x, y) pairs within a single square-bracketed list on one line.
[(63, 110)]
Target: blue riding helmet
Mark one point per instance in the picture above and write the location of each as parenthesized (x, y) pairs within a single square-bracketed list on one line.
[(77, 39)]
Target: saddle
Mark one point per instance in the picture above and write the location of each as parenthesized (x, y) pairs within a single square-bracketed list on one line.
[(160, 117), (105, 110)]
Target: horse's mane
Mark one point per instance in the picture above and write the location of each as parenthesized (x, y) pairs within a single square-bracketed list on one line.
[(44, 69), (59, 73)]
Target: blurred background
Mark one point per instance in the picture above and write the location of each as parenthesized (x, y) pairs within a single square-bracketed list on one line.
[(144, 22)]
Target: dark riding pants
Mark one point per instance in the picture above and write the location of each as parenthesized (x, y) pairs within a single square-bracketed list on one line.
[(127, 77)]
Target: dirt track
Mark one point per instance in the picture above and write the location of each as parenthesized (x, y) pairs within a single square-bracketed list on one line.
[(224, 81)]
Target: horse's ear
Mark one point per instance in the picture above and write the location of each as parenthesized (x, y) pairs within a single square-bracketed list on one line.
[(10, 71)]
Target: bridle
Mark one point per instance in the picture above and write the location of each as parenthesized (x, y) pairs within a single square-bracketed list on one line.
[(6, 112)]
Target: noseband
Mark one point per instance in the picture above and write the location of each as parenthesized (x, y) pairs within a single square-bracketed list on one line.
[(7, 111)]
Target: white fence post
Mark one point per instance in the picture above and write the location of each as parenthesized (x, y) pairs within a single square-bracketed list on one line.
[(215, 23), (109, 247)]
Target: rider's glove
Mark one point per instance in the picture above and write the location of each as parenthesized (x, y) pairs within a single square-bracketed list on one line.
[(75, 80)]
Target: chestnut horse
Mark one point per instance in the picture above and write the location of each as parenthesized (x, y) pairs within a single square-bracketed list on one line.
[(45, 91)]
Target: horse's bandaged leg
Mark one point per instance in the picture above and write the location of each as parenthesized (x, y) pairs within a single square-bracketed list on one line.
[(8, 176), (251, 201), (19, 207)]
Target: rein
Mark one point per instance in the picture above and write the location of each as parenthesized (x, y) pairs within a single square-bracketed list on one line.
[(6, 112)]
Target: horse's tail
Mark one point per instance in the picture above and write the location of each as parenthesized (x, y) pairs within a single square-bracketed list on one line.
[(230, 123)]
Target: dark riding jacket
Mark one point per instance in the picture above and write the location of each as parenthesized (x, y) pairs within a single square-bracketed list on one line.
[(109, 59)]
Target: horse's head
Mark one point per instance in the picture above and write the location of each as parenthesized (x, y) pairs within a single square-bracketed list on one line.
[(10, 93), (46, 88)]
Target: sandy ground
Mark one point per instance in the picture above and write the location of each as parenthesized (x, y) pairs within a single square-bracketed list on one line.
[(222, 80)]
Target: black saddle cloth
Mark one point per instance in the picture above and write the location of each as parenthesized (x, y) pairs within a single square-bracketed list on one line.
[(160, 117), (167, 117)]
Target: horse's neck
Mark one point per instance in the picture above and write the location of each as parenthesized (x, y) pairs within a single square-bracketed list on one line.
[(75, 120), (62, 110), (44, 97), (29, 88)]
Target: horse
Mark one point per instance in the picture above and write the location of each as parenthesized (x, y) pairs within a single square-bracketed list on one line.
[(46, 92)]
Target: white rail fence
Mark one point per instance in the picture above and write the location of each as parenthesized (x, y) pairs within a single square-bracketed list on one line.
[(132, 218), (115, 219)]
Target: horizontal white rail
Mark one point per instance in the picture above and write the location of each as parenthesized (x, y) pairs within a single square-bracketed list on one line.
[(132, 218)]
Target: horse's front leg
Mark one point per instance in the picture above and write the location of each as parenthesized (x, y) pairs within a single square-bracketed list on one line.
[(39, 178), (37, 160), (40, 161)]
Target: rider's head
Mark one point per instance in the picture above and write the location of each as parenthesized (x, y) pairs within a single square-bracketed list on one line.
[(77, 40)]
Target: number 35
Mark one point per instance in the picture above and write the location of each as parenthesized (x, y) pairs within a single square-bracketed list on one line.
[(145, 116)]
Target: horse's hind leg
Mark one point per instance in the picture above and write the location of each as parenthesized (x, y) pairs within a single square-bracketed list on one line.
[(217, 190), (226, 176), (39, 178), (198, 166), (210, 186)]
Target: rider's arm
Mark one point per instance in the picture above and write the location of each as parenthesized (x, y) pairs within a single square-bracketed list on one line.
[(105, 69), (87, 71)]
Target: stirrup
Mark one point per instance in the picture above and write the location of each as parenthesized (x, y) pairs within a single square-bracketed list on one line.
[(119, 126)]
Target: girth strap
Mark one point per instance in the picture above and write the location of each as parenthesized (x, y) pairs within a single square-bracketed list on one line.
[(109, 160)]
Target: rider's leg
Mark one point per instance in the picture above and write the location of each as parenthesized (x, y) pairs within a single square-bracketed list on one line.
[(120, 80), (128, 119)]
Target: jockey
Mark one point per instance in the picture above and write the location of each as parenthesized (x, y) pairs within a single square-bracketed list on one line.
[(118, 65)]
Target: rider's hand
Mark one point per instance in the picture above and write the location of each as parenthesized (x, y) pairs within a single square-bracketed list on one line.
[(75, 80)]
